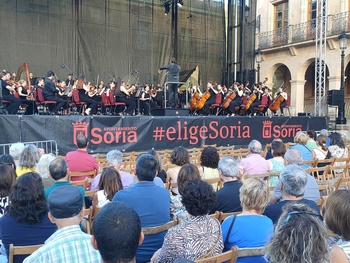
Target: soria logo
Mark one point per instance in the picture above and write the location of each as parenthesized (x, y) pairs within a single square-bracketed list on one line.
[(79, 128)]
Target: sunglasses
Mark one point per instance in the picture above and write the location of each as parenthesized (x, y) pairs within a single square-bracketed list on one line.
[(301, 212), (11, 164)]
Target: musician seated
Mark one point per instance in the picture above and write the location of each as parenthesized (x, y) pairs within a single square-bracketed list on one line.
[(237, 100), (50, 92), (26, 95), (145, 106), (258, 92), (211, 92), (267, 93), (281, 92), (83, 89), (122, 94), (8, 92), (39, 83)]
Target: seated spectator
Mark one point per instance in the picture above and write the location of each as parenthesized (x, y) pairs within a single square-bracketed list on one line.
[(117, 233), (209, 164), (110, 184), (28, 160), (68, 243), (7, 180), (307, 154), (250, 228), (299, 236), (115, 159), (151, 203), (16, 150), (338, 149), (227, 198), (254, 163), (321, 152), (187, 172), (269, 153), (276, 164), (26, 221), (179, 157), (58, 171), (198, 237), (311, 143), (43, 169), (311, 189), (337, 218), (80, 160), (292, 184), (8, 159), (161, 172)]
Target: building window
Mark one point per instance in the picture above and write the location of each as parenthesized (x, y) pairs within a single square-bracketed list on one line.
[(281, 15), (312, 12)]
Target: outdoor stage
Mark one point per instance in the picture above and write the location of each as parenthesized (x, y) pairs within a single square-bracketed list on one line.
[(139, 133)]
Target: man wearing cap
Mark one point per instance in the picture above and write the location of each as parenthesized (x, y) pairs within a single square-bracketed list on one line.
[(117, 233), (227, 198), (68, 243), (151, 203), (50, 91)]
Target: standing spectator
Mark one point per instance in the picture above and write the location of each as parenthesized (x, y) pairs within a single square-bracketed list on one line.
[(43, 169), (117, 233), (68, 243), (276, 164), (16, 150), (115, 159), (151, 203), (301, 139), (254, 163), (227, 198), (179, 157), (28, 160), (80, 160), (26, 221), (209, 164), (250, 228), (7, 180), (292, 184)]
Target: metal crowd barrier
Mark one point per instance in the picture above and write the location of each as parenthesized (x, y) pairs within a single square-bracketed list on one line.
[(50, 146)]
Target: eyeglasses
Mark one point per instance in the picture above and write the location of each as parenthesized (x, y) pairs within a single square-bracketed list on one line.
[(11, 164), (301, 212)]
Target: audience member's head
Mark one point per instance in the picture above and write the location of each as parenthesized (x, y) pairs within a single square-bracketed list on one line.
[(324, 132), (7, 179), (228, 167), (16, 150), (66, 206), (198, 197), (301, 138), (82, 141), (254, 195), (110, 182), (8, 159), (146, 167), (210, 157), (156, 155), (336, 139), (293, 179), (29, 157), (117, 233), (278, 148), (43, 165), (321, 142), (58, 169), (115, 158), (187, 172), (27, 202), (179, 156), (300, 236), (337, 215), (255, 146), (293, 156), (311, 134)]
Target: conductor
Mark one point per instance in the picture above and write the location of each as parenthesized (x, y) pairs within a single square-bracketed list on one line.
[(173, 76)]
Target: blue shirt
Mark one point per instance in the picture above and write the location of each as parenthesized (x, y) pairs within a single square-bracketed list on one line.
[(247, 231), (306, 154), (152, 204), (61, 183)]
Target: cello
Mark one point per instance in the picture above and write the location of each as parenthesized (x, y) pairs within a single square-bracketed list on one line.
[(276, 103), (229, 97), (204, 98), (253, 96)]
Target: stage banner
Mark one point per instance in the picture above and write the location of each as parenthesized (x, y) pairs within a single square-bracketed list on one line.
[(10, 129)]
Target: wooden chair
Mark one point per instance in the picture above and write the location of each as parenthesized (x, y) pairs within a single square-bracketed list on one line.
[(90, 193), (88, 219), (312, 162), (158, 229), (338, 171), (320, 173), (214, 181), (325, 162), (343, 183), (216, 215), (228, 256), (22, 250), (82, 183), (75, 176), (223, 216), (250, 252)]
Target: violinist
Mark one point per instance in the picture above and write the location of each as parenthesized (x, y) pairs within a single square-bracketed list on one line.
[(26, 95), (39, 83), (8, 94), (122, 94), (50, 92), (83, 88), (32, 79), (237, 101), (281, 92), (69, 81), (145, 101)]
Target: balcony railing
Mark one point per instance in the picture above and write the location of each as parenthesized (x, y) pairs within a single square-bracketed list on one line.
[(303, 32)]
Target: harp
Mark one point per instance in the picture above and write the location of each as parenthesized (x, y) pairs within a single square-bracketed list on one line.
[(23, 68)]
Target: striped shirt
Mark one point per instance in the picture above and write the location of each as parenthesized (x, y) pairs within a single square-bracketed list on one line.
[(68, 244)]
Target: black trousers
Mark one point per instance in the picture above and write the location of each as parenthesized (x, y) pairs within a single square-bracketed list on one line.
[(60, 103), (173, 95), (13, 107)]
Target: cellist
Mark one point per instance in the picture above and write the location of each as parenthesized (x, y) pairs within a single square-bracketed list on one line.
[(211, 91), (237, 101), (258, 92), (281, 92)]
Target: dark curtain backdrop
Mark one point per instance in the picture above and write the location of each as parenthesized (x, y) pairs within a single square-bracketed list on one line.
[(110, 38)]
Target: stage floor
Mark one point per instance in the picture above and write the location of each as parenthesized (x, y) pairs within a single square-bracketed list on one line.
[(139, 133)]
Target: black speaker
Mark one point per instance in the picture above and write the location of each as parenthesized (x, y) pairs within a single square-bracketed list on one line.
[(335, 97)]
